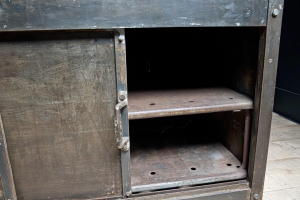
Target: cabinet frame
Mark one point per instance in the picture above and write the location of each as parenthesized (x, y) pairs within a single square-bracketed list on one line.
[(262, 112)]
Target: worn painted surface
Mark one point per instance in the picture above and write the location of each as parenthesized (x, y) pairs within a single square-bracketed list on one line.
[(95, 14), (58, 92), (264, 97)]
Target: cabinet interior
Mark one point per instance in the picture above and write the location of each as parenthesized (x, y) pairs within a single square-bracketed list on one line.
[(188, 89)]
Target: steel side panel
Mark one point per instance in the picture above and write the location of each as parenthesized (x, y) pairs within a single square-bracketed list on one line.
[(94, 14), (264, 98)]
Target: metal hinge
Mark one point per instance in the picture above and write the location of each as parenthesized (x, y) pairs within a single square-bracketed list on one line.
[(123, 142)]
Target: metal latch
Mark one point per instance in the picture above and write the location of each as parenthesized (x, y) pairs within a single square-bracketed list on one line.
[(123, 142)]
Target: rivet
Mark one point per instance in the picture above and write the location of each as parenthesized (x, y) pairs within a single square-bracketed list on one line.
[(256, 196), (121, 38), (275, 12), (270, 60), (122, 97), (128, 193)]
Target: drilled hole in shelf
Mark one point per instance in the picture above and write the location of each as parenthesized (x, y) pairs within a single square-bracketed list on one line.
[(238, 166), (229, 164), (153, 173), (152, 104), (191, 101), (230, 98), (193, 168)]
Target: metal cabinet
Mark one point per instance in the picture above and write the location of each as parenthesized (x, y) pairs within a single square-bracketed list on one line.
[(95, 107)]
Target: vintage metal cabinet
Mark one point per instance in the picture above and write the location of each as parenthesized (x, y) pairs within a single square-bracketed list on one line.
[(198, 104)]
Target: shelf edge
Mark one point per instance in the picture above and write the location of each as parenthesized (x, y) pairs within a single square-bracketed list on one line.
[(186, 111)]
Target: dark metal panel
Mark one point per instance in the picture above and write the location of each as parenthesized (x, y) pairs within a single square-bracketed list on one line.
[(264, 96), (58, 93), (231, 126), (8, 190), (162, 103), (121, 74), (95, 14), (229, 191)]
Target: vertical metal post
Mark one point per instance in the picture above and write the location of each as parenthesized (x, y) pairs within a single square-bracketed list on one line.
[(264, 97), (5, 167), (246, 139), (121, 74)]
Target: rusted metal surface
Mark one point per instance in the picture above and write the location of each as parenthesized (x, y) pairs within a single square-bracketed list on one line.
[(246, 139), (162, 103), (235, 190), (7, 180), (159, 167), (121, 74), (264, 97), (58, 93)]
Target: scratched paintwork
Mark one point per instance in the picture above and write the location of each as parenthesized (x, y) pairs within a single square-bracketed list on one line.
[(58, 92), (95, 14)]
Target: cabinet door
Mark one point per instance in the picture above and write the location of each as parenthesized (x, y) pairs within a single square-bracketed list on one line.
[(58, 93)]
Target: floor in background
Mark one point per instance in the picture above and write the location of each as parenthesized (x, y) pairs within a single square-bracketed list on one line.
[(283, 168)]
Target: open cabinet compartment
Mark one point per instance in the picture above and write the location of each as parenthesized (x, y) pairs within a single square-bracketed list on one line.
[(188, 90), (186, 150)]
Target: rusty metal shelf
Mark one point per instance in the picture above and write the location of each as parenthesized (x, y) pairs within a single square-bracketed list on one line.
[(175, 166), (162, 103)]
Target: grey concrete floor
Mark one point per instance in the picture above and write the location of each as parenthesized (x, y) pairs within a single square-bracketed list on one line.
[(282, 179)]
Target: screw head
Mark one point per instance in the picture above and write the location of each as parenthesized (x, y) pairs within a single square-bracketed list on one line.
[(122, 97), (128, 193), (256, 196), (121, 38), (275, 12)]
